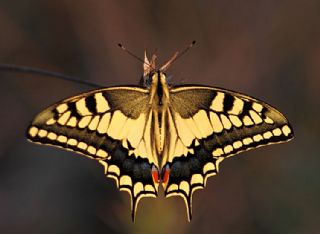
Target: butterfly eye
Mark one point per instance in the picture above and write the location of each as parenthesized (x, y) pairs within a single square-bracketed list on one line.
[(146, 81), (169, 80)]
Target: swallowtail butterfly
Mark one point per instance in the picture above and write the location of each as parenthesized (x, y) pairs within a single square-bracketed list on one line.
[(154, 134)]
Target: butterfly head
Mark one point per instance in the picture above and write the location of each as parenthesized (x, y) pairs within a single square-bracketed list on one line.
[(152, 76)]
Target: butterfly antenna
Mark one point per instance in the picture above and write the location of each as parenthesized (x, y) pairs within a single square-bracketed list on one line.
[(39, 71), (135, 56), (175, 56)]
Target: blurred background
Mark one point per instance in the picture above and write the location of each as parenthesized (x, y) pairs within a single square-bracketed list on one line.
[(268, 49)]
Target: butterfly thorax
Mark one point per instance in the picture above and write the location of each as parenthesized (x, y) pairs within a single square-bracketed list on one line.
[(159, 91)]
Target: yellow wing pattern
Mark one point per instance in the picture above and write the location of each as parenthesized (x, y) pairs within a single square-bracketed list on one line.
[(207, 125)]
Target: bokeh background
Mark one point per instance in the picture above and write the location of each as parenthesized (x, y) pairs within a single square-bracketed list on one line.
[(269, 49)]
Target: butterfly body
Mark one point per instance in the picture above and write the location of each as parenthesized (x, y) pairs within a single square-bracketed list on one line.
[(160, 135)]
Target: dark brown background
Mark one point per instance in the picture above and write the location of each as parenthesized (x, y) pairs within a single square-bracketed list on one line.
[(269, 49)]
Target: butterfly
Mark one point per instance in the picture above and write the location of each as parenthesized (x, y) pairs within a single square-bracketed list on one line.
[(156, 134)]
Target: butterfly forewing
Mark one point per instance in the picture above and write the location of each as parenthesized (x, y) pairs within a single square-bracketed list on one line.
[(112, 126), (207, 125)]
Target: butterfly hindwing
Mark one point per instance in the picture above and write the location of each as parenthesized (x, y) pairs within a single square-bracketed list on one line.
[(207, 125), (112, 126)]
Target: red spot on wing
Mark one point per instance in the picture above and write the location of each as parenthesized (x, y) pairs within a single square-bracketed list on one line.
[(155, 174), (165, 174)]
